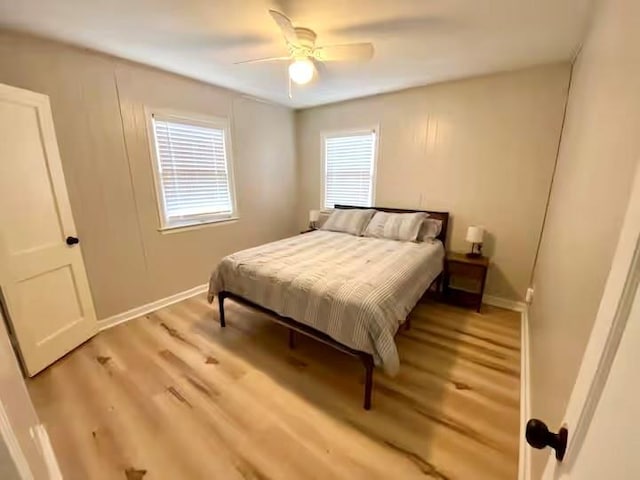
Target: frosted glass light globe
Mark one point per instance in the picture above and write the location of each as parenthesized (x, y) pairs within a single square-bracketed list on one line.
[(301, 71)]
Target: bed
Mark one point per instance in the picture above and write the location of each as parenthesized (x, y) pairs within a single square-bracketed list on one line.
[(350, 292)]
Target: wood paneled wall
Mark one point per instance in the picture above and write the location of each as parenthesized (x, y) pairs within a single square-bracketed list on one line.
[(481, 148), (98, 107)]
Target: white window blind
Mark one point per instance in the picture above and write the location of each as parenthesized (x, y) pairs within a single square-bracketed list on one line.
[(193, 170), (348, 169)]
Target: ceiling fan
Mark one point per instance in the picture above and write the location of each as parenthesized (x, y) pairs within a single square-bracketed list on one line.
[(304, 55)]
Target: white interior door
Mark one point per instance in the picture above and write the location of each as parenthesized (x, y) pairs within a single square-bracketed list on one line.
[(42, 278), (603, 413)]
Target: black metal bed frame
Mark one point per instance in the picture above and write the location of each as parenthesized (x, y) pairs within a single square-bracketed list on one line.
[(293, 326), (297, 327)]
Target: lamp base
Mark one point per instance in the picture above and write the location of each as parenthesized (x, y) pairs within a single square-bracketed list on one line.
[(476, 251)]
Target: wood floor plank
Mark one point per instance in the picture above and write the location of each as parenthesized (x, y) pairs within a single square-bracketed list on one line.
[(173, 395)]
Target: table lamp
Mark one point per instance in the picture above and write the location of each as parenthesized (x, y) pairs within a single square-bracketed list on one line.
[(475, 235)]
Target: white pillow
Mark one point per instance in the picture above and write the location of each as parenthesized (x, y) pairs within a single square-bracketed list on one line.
[(430, 229), (395, 226), (351, 220)]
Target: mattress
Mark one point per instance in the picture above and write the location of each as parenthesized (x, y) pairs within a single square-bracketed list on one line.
[(357, 290)]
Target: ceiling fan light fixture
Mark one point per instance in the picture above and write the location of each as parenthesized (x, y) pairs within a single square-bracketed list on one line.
[(301, 71)]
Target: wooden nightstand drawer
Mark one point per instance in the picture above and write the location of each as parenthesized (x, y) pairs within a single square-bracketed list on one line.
[(464, 278), (466, 270)]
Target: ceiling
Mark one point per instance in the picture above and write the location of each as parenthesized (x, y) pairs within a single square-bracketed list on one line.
[(417, 42)]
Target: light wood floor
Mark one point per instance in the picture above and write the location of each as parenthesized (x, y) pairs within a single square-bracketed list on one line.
[(174, 396)]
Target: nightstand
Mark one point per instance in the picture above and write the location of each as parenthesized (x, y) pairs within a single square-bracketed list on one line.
[(464, 279)]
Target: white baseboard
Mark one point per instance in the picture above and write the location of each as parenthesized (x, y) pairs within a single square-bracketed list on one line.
[(524, 464), (150, 307), (504, 303)]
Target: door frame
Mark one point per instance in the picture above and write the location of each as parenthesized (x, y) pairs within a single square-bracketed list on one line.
[(608, 329), (13, 446)]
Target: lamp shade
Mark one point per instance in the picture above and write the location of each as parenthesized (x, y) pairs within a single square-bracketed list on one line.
[(314, 215), (475, 234)]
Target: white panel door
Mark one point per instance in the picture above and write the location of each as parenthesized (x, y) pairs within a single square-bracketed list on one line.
[(42, 278), (602, 416)]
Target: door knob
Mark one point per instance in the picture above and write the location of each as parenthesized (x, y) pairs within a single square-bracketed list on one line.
[(71, 241), (539, 436)]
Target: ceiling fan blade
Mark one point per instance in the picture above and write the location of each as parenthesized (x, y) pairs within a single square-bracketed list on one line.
[(344, 53), (263, 60), (285, 26), (321, 68)]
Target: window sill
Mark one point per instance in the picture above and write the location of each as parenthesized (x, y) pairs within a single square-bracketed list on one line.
[(187, 226)]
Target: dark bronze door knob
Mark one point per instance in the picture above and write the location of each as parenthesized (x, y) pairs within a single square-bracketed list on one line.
[(539, 436), (71, 241)]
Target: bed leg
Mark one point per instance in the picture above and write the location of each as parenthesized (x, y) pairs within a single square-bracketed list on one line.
[(221, 297), (407, 324), (292, 339), (367, 360)]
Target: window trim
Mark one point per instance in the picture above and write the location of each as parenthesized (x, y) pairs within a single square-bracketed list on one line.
[(193, 221), (375, 129)]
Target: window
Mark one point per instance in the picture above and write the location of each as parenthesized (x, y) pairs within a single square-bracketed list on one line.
[(194, 178), (349, 168)]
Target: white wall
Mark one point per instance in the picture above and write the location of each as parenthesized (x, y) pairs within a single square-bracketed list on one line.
[(482, 149), (599, 153)]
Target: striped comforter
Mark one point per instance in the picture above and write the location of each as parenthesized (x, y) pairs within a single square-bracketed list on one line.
[(357, 290)]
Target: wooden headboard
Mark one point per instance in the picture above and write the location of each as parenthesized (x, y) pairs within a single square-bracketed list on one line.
[(442, 216)]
